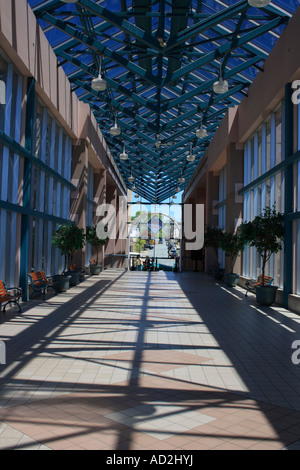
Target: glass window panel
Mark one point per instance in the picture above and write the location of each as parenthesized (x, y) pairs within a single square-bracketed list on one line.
[(268, 145), (278, 136), (259, 151), (3, 74)]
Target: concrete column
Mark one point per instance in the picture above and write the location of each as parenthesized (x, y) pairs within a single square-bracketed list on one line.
[(79, 197), (211, 214), (234, 202), (111, 198)]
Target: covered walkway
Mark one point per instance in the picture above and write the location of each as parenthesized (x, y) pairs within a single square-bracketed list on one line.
[(150, 361)]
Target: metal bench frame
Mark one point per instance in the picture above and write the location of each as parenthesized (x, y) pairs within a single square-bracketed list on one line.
[(251, 285), (7, 298), (40, 284)]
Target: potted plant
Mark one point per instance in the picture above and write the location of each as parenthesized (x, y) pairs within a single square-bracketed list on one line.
[(266, 234), (212, 239), (96, 242), (231, 244), (68, 239)]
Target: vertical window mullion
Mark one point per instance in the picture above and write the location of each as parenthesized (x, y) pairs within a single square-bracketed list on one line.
[(5, 167), (59, 170), (15, 181)]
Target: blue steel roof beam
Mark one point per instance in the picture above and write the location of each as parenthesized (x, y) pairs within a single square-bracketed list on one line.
[(98, 46), (249, 47), (117, 106), (193, 127), (168, 163), (224, 49), (175, 162), (147, 162), (48, 5), (187, 140), (202, 107), (209, 84), (177, 26), (124, 25), (276, 10), (197, 100), (190, 15), (201, 26), (71, 42), (123, 125), (145, 24)]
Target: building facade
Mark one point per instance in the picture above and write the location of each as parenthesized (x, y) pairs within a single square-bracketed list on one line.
[(55, 166), (253, 163)]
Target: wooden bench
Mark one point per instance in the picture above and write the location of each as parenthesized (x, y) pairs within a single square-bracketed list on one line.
[(251, 285), (9, 295), (40, 284)]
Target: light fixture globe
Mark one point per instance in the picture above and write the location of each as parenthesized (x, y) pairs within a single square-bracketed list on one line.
[(201, 132), (191, 158), (99, 84), (259, 3), (131, 179), (123, 155), (115, 130), (221, 86), (181, 180)]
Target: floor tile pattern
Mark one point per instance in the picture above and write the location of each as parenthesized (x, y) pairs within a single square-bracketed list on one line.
[(154, 361)]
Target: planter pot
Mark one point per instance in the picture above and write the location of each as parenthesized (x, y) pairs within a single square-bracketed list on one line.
[(266, 295), (218, 274), (74, 281), (231, 280), (95, 269), (61, 283)]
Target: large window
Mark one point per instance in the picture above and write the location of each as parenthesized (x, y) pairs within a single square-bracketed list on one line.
[(10, 125), (50, 195), (222, 210), (90, 211), (263, 151)]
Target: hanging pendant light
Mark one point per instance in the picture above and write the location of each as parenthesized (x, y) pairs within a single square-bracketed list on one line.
[(201, 132), (221, 86), (99, 84), (131, 178), (123, 155), (158, 142), (258, 3), (191, 157), (115, 130)]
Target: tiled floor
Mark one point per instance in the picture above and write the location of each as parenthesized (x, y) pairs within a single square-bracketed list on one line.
[(155, 361)]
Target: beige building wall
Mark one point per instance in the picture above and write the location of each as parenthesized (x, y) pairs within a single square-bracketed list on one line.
[(226, 148), (25, 45)]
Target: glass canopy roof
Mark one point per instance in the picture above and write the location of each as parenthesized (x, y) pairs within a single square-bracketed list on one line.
[(160, 60)]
